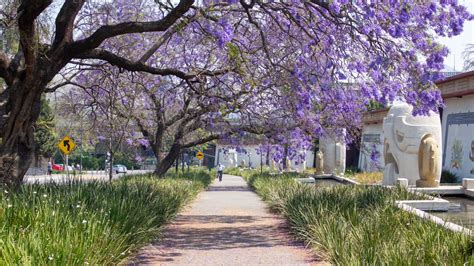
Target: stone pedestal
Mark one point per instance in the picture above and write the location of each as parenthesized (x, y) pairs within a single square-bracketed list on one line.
[(468, 183), (402, 182), (427, 183)]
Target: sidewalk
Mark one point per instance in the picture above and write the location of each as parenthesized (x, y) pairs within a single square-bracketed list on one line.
[(227, 225)]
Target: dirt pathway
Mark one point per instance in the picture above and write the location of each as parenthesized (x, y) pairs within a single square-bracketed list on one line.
[(227, 225)]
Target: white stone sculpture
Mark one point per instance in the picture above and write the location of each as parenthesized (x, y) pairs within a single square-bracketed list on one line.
[(319, 163), (288, 164), (412, 147), (274, 165), (334, 154)]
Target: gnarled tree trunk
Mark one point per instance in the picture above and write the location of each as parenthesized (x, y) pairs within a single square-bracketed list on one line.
[(166, 163), (18, 116)]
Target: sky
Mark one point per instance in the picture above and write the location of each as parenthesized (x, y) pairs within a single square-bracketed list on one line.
[(457, 44)]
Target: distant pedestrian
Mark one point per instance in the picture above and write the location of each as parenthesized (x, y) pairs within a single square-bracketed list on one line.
[(220, 169), (50, 168)]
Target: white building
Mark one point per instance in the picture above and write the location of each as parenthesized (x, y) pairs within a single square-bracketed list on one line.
[(372, 138), (246, 155), (458, 124)]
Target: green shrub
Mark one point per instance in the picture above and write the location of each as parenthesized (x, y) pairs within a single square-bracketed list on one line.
[(448, 177), (89, 223), (367, 177), (359, 225), (350, 171), (232, 171)]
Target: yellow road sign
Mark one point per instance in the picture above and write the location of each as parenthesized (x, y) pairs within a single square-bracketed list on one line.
[(200, 155), (66, 145)]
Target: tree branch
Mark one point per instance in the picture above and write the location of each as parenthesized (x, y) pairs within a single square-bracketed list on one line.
[(129, 65), (109, 31), (201, 141), (65, 21), (28, 11), (163, 38)]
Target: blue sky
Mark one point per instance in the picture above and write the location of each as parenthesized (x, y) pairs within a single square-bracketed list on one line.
[(458, 43)]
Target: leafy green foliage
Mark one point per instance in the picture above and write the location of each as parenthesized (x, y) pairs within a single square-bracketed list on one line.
[(374, 106), (448, 177), (92, 223), (45, 135)]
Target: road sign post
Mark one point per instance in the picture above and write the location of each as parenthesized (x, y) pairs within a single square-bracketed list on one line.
[(200, 156), (66, 145), (67, 166)]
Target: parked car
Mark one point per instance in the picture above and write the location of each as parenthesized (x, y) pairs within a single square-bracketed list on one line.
[(119, 168), (69, 168), (57, 167)]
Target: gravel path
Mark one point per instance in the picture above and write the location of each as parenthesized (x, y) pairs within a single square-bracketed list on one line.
[(227, 225)]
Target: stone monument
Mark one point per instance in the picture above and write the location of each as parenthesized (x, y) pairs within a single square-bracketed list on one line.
[(288, 164), (428, 157), (319, 163), (334, 156), (274, 165), (412, 147)]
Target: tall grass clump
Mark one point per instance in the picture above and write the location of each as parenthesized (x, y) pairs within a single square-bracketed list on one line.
[(359, 225), (89, 223), (233, 170), (365, 177)]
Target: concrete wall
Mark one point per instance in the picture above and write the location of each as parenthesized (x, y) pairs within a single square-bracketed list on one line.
[(458, 136), (371, 134), (232, 158)]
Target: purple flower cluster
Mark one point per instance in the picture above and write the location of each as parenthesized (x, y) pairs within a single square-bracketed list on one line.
[(304, 71)]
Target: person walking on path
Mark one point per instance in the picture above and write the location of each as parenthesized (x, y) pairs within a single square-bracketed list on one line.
[(50, 168), (220, 169)]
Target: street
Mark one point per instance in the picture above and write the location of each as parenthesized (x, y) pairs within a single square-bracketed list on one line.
[(85, 176)]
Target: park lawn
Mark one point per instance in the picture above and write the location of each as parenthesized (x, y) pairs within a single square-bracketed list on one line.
[(90, 223), (359, 225)]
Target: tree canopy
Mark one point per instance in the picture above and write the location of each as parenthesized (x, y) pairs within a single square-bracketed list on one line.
[(302, 66)]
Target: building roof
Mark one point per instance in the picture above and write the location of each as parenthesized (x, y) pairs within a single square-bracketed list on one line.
[(457, 85), (374, 117)]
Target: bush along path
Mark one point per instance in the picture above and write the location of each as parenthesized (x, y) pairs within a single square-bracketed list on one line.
[(92, 223), (227, 225), (358, 225)]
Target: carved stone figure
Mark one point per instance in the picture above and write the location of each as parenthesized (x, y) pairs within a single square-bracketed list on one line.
[(428, 165), (412, 146), (274, 165), (319, 163), (288, 164)]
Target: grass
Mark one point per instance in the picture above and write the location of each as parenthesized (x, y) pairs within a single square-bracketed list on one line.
[(89, 223), (368, 178), (233, 171), (358, 225)]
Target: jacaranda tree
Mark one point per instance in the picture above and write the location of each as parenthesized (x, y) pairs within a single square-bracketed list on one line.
[(334, 56)]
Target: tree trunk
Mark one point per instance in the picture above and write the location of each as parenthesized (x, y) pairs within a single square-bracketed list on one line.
[(166, 163), (111, 167), (285, 156), (177, 163), (17, 119)]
